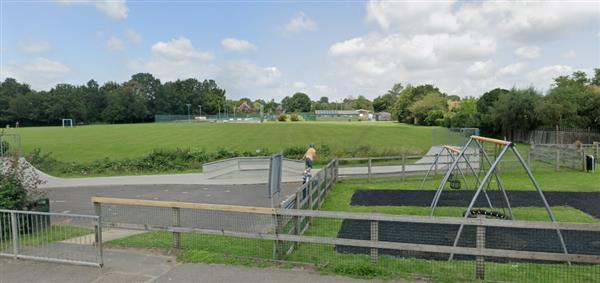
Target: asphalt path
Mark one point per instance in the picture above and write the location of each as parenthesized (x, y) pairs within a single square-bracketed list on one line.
[(77, 200)]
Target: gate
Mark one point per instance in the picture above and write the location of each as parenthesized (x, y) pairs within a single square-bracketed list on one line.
[(54, 237)]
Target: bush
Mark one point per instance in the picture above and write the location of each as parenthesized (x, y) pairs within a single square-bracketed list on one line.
[(294, 117), (18, 187), (282, 118)]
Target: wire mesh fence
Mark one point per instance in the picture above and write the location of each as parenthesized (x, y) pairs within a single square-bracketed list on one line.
[(373, 245), (55, 237)]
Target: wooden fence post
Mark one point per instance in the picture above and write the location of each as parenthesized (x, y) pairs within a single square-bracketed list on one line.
[(297, 219), (403, 166), (435, 169), (278, 245), (369, 170), (176, 223), (374, 238), (480, 244)]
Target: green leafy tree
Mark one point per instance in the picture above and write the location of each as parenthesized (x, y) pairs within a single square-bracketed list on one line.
[(299, 102), (433, 104)]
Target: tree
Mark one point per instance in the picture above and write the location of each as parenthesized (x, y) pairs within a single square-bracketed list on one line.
[(484, 108), (465, 116), (408, 97), (324, 100), (514, 111), (429, 109), (299, 102), (386, 101)]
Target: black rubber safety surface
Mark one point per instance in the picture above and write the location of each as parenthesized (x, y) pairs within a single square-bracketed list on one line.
[(588, 202), (521, 239)]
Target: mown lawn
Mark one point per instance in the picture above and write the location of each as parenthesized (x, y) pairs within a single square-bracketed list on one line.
[(88, 143)]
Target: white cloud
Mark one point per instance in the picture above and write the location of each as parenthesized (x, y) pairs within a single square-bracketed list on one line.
[(40, 73), (300, 22), (514, 69), (179, 49), (237, 45), (34, 46), (569, 54), (528, 52), (411, 16), (116, 9), (132, 36), (299, 85), (481, 69), (115, 44)]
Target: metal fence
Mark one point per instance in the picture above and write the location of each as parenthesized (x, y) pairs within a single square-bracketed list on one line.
[(55, 237), (558, 135), (563, 156), (367, 244), (10, 145)]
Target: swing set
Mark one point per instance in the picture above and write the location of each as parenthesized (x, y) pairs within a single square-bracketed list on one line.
[(458, 156)]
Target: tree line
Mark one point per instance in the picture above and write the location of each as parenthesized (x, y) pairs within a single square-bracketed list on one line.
[(136, 100), (572, 101)]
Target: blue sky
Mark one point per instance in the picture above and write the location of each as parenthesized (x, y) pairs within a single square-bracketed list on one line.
[(272, 49)]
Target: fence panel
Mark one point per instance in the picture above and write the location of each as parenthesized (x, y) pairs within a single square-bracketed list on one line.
[(54, 237), (391, 245)]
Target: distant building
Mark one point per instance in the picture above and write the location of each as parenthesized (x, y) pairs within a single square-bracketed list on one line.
[(383, 116), (244, 107), (343, 115)]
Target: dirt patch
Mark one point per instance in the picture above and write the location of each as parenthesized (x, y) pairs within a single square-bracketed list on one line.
[(584, 201)]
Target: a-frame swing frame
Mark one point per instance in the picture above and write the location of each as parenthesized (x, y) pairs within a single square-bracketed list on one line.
[(506, 145)]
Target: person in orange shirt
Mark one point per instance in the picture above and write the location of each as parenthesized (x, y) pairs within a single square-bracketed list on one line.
[(310, 156)]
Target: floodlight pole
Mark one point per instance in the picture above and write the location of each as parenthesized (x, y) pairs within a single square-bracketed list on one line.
[(189, 118)]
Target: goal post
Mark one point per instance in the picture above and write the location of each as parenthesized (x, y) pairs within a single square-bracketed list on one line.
[(67, 123)]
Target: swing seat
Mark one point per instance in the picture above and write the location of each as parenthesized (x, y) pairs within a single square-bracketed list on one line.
[(492, 213)]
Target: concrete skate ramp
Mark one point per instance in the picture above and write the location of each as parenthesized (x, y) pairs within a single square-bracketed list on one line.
[(227, 172), (250, 167)]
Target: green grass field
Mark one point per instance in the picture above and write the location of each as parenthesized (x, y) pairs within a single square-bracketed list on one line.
[(88, 143)]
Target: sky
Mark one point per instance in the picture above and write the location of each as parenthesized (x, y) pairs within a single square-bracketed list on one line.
[(271, 49)]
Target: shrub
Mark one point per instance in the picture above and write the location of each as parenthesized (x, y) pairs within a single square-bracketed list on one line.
[(282, 118), (294, 117)]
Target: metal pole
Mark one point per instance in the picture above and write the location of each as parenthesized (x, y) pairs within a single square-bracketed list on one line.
[(478, 180), (189, 117), (483, 182), (98, 210), (176, 223), (445, 179), (429, 171), (15, 234), (500, 185), (403, 167), (546, 205)]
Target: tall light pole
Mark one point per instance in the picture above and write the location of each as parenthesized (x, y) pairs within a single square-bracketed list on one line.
[(189, 118)]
